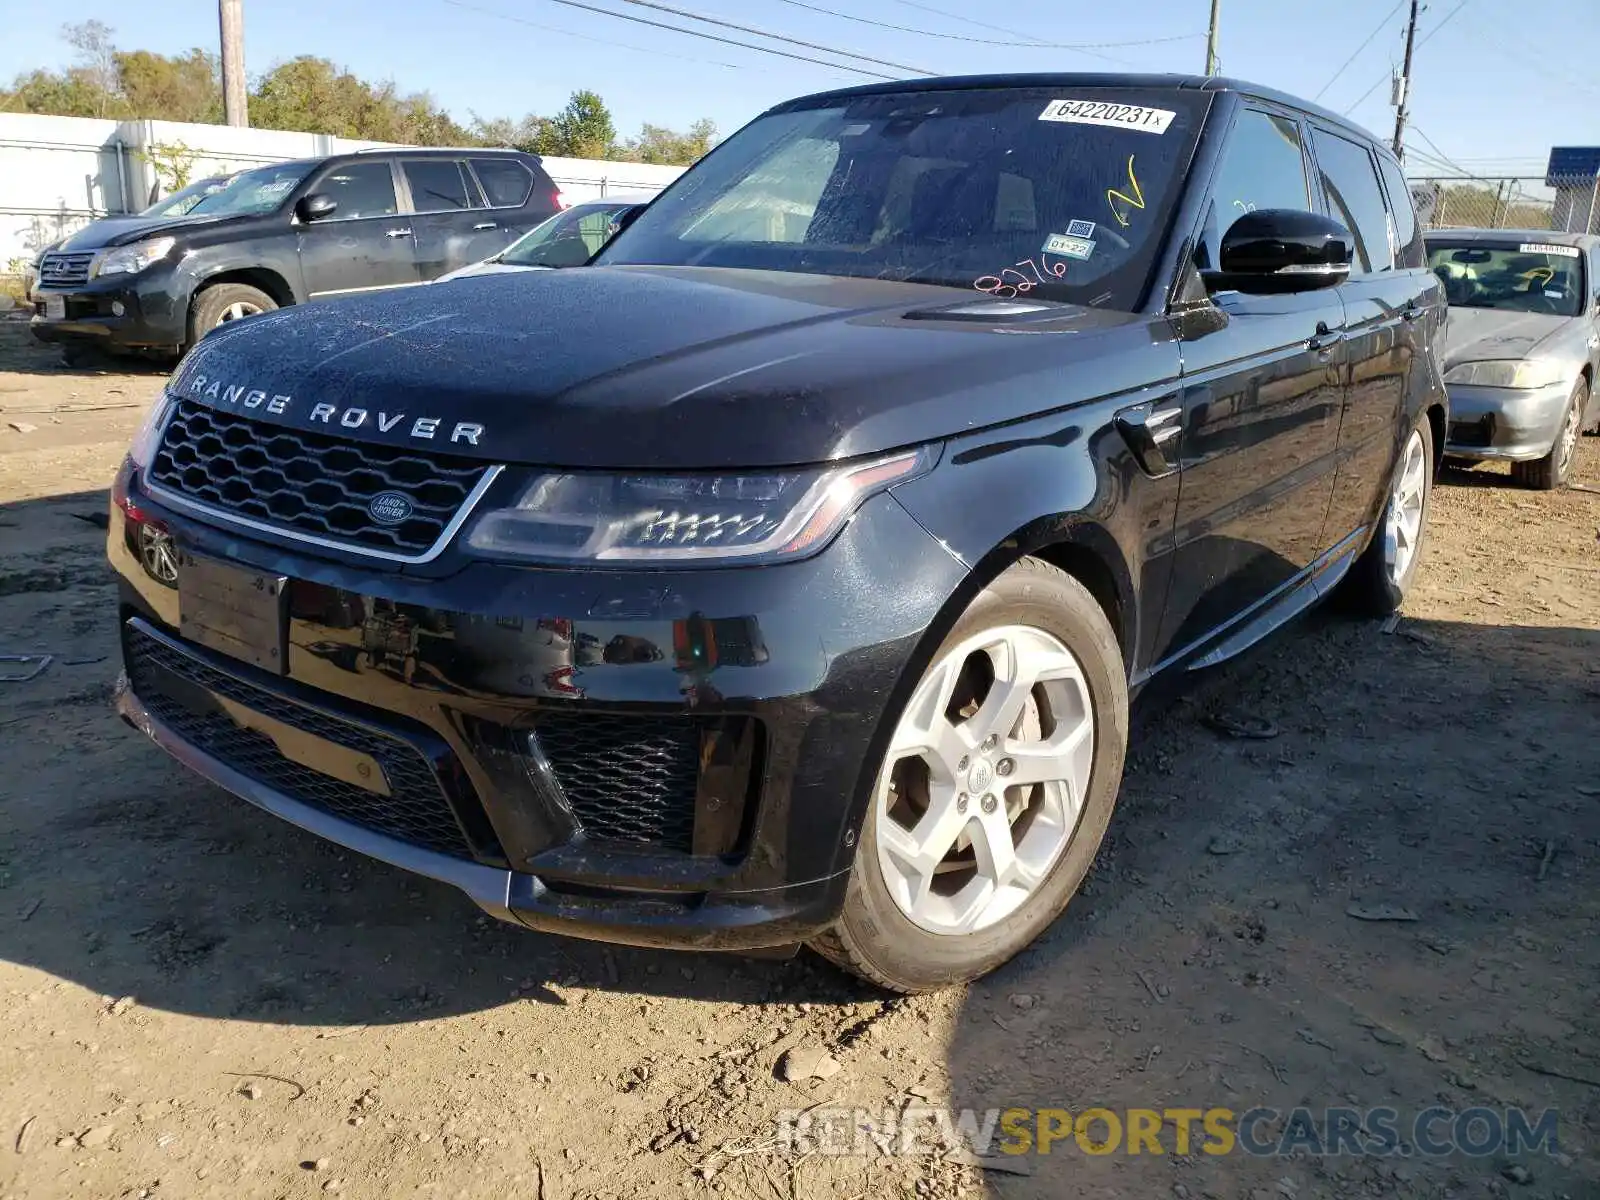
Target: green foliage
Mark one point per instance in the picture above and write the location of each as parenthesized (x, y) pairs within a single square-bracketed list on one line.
[(315, 95), (173, 163)]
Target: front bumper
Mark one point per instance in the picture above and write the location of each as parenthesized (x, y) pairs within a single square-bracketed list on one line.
[(1504, 423), (465, 672), (154, 311)]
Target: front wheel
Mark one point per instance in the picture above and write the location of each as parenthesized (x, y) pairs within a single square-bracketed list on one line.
[(1550, 472), (224, 302), (995, 790)]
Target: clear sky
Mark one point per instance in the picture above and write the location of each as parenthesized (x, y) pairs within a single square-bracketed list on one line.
[(1496, 82)]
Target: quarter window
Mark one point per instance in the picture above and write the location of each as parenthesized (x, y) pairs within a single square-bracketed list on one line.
[(1355, 199), (506, 181), (361, 189), (437, 185), (1263, 167)]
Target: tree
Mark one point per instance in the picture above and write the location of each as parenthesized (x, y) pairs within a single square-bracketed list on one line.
[(658, 144), (583, 129), (313, 94), (178, 88), (97, 61)]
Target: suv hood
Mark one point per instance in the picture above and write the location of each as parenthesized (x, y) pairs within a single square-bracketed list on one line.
[(670, 367), (1476, 334), (119, 231)]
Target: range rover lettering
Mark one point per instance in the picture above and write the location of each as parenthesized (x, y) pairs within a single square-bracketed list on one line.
[(933, 420)]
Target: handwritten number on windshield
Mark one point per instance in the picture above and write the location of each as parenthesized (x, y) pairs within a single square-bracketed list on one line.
[(1135, 200), (1004, 288)]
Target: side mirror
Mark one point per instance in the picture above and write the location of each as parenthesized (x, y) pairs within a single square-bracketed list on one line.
[(1277, 250), (628, 217), (316, 207)]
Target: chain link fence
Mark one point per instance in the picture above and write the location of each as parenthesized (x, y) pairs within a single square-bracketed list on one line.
[(1561, 203)]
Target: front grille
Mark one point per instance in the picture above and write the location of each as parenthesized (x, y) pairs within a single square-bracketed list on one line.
[(310, 483), (627, 778), (416, 811), (62, 270)]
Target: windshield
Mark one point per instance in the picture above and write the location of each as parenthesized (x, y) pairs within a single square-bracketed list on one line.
[(577, 233), (257, 191), (1523, 277), (1059, 193), (182, 202)]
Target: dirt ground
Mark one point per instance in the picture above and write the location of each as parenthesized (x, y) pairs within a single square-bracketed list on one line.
[(199, 1000)]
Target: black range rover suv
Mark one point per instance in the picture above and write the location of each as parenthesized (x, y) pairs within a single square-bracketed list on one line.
[(284, 234), (933, 420)]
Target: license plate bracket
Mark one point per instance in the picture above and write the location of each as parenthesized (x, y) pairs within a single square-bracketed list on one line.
[(55, 308), (234, 610)]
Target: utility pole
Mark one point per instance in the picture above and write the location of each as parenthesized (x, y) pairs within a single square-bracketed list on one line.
[(1211, 38), (1403, 97), (235, 101)]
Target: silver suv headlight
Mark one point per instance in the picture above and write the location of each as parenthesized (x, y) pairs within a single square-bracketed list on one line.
[(693, 519)]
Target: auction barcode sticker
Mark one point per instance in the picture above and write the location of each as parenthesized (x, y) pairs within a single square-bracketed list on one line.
[(1103, 112), (1545, 248)]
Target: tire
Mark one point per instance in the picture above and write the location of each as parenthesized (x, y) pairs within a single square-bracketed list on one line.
[(1550, 472), (224, 302), (1374, 587), (1081, 689)]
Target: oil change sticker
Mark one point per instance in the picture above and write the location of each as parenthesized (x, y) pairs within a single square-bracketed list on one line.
[(1543, 248), (1083, 229), (1069, 247), (1103, 112)]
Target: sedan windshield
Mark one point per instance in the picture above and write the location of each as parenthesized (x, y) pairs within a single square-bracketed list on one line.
[(568, 239), (254, 192), (1054, 193), (1521, 276)]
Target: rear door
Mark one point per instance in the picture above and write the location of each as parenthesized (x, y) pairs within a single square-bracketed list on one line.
[(1391, 301), (520, 196), (452, 223), (366, 245), (1260, 408)]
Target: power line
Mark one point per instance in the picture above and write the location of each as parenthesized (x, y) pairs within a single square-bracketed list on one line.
[(710, 37), (960, 37), (1367, 42), (776, 37), (585, 37), (1423, 42), (976, 24)]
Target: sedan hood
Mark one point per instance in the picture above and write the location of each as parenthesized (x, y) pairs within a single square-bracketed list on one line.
[(670, 367), (119, 231), (1476, 334)]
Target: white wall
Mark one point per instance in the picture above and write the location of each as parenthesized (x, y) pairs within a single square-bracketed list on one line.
[(59, 173)]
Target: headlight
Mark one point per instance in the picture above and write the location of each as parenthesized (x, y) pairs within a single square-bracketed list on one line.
[(148, 438), (129, 260), (695, 519), (1506, 373)]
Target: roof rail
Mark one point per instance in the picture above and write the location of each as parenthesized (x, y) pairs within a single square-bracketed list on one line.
[(435, 149)]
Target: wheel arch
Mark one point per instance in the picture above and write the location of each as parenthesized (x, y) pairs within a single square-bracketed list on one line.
[(262, 278)]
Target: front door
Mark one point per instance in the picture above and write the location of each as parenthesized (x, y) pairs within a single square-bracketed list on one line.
[(366, 244), (1262, 393), (453, 226)]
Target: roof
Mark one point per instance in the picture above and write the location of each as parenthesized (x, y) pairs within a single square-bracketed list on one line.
[(1090, 79), (424, 151), (1553, 237)]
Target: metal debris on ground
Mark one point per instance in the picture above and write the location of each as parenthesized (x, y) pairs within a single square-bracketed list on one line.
[(1245, 727), (28, 666), (1379, 912)]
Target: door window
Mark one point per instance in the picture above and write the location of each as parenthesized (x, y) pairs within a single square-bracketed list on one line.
[(1263, 167), (1355, 199), (1407, 233), (361, 189), (506, 181), (437, 185)]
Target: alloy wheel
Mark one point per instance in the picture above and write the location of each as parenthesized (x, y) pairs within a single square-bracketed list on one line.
[(1567, 445), (1402, 525), (238, 311), (984, 779)]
